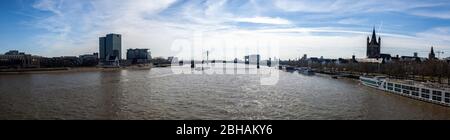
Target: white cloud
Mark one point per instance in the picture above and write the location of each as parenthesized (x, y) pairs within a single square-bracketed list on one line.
[(49, 5), (348, 7), (305, 5), (74, 27), (265, 20), (353, 21), (433, 14), (437, 33)]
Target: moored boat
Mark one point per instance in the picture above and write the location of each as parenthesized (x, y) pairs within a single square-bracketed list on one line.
[(429, 92), (290, 68)]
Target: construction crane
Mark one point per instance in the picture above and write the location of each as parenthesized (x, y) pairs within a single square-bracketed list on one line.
[(439, 53)]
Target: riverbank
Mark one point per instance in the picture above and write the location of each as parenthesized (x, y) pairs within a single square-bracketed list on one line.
[(163, 65), (355, 75), (332, 74), (68, 69)]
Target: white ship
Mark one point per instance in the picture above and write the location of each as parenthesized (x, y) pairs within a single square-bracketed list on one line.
[(432, 93)]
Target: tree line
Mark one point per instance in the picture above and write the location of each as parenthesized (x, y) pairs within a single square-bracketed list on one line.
[(430, 70)]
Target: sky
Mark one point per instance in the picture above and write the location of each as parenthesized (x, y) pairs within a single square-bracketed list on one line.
[(328, 28)]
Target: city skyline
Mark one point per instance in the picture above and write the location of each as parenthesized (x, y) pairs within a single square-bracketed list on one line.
[(338, 29)]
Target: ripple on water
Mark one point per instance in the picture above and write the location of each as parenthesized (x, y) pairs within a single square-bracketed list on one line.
[(160, 94)]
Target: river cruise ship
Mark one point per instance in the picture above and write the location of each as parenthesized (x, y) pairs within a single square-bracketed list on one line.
[(428, 92)]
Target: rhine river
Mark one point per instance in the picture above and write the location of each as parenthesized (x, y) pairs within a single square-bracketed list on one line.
[(159, 94)]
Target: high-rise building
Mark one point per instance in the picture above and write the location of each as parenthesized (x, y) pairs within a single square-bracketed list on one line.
[(138, 56), (373, 47), (102, 48), (110, 47)]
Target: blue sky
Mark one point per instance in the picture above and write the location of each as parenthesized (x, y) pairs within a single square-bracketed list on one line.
[(329, 28)]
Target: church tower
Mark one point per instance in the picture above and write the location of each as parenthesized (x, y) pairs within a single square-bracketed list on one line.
[(432, 56), (373, 47)]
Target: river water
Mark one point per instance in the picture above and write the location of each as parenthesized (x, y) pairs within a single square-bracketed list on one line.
[(160, 93)]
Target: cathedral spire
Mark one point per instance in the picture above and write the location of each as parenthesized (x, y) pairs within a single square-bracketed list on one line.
[(374, 36), (432, 55), (373, 47)]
